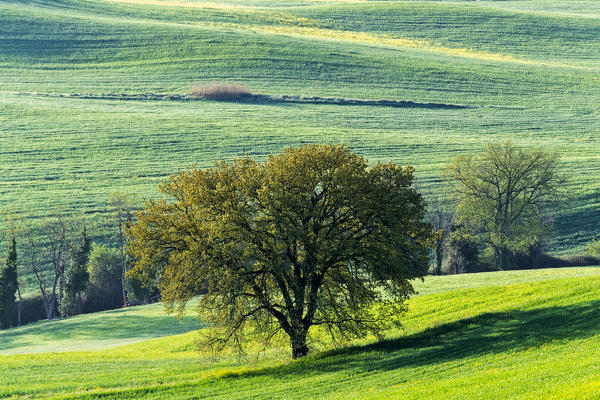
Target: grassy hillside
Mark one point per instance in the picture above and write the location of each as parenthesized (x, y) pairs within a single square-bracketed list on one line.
[(528, 70), (96, 331), (534, 336)]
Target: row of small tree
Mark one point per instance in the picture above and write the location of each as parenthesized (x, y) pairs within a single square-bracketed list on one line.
[(72, 274)]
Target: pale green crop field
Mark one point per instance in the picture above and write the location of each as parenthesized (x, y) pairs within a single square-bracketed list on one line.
[(518, 334), (528, 70)]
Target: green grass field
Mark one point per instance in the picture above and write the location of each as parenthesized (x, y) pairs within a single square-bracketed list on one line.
[(529, 70), (521, 335)]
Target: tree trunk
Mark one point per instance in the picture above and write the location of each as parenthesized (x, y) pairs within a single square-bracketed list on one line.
[(61, 295), (499, 259), (51, 305), (47, 308), (439, 255), (44, 298), (19, 306), (299, 347), (535, 253), (53, 298), (503, 257), (123, 267), (123, 290)]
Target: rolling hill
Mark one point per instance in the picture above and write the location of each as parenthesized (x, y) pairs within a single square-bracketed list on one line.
[(94, 99), (522, 335)]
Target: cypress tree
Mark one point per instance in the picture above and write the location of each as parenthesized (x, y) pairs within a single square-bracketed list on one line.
[(8, 286), (77, 277)]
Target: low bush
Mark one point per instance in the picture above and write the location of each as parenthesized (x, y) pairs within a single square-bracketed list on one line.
[(32, 310), (524, 261), (221, 91)]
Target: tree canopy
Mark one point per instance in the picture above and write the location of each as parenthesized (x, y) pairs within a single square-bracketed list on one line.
[(312, 236), (502, 195)]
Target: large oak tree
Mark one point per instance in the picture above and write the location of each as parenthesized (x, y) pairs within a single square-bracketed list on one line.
[(312, 236)]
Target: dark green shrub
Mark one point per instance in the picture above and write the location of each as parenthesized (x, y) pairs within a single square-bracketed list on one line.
[(32, 310), (104, 290)]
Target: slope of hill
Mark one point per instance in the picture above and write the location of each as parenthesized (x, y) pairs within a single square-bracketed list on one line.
[(95, 331), (535, 336), (527, 70)]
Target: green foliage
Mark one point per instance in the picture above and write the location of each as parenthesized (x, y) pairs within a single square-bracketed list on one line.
[(139, 291), (8, 286), (104, 265), (463, 253), (76, 278), (504, 197), (310, 237), (594, 248), (105, 272)]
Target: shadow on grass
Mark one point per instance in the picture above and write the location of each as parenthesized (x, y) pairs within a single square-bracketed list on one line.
[(249, 98), (490, 333), (342, 101)]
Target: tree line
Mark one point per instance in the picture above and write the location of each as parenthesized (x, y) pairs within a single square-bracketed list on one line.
[(313, 236), (71, 274), (499, 212)]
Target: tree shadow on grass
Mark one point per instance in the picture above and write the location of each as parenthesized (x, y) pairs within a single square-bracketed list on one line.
[(489, 333)]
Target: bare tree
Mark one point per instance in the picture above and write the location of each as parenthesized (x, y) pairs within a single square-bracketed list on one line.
[(34, 249), (49, 249), (59, 237), (439, 214)]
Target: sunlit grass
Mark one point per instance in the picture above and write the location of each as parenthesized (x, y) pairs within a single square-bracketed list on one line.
[(96, 331), (385, 40), (529, 338)]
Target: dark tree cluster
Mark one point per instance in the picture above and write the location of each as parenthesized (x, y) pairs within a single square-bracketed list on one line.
[(72, 274), (9, 285)]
